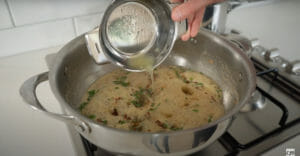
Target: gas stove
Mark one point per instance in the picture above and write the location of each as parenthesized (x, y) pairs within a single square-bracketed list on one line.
[(269, 124)]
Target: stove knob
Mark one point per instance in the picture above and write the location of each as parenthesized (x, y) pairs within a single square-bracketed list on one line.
[(271, 55), (294, 68)]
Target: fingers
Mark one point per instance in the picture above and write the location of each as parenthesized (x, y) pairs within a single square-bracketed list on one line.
[(187, 35), (184, 10), (175, 1), (193, 10), (197, 22)]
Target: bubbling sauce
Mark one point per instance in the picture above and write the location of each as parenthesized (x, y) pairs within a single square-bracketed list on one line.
[(179, 99)]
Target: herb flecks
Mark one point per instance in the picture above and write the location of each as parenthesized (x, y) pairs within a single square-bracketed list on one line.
[(122, 81), (139, 97), (102, 121), (91, 94), (122, 122), (92, 116), (195, 110), (175, 128), (178, 72), (149, 91), (199, 84), (154, 108), (135, 125), (219, 92), (82, 105), (210, 118), (161, 124)]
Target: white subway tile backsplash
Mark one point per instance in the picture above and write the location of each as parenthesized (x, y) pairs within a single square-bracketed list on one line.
[(5, 21), (87, 23), (38, 36), (276, 25), (33, 11)]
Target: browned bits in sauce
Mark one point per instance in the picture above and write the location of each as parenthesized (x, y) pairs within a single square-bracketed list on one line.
[(148, 115), (178, 99), (126, 117), (118, 99), (213, 99), (186, 104), (135, 125), (160, 124), (115, 112), (168, 115), (101, 121)]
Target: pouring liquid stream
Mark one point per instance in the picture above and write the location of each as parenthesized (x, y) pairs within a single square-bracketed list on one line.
[(144, 62)]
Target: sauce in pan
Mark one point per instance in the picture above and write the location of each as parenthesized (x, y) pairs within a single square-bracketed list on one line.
[(178, 99)]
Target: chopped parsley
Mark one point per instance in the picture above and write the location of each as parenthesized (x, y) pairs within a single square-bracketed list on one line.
[(219, 92), (209, 118), (149, 91), (104, 122), (121, 122), (121, 81), (155, 108), (139, 97), (165, 125), (92, 116), (82, 105), (91, 93), (199, 84), (137, 103), (195, 110), (178, 72), (174, 128), (161, 124)]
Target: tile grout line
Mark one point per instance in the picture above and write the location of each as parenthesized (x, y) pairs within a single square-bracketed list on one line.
[(75, 26), (10, 13), (48, 21)]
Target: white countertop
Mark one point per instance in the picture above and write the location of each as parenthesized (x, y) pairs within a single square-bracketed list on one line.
[(24, 131)]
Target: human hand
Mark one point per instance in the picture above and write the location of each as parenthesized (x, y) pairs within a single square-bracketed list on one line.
[(193, 11)]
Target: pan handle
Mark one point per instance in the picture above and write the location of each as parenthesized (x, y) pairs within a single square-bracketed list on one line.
[(93, 45), (242, 42), (28, 92)]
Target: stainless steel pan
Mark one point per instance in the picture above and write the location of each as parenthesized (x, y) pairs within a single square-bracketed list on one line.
[(74, 70)]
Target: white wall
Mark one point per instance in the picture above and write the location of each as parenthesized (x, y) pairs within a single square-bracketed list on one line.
[(276, 25), (27, 25)]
